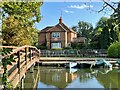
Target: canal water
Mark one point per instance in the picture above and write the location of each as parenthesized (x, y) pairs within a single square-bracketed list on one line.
[(59, 77)]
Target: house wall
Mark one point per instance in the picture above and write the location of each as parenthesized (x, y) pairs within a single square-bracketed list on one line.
[(62, 39), (65, 38), (41, 38), (71, 35), (48, 43)]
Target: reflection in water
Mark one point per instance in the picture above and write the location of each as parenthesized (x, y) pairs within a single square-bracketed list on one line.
[(57, 77), (53, 77), (109, 80)]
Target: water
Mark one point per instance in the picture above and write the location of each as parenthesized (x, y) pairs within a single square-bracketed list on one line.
[(54, 77)]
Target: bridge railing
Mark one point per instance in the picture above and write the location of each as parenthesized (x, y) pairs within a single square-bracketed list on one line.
[(24, 57), (74, 53)]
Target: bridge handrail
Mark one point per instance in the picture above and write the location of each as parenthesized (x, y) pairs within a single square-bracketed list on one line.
[(18, 49), (12, 47)]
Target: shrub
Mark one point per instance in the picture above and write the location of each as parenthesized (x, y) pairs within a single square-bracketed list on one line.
[(77, 45), (42, 47), (67, 47), (56, 48), (114, 50)]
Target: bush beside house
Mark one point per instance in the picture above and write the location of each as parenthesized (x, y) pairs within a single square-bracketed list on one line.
[(42, 46)]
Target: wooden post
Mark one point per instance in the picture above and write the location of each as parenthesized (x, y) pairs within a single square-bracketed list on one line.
[(18, 62), (26, 49), (30, 50), (22, 82)]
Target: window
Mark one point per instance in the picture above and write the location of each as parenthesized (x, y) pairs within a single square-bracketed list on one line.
[(56, 45), (56, 35)]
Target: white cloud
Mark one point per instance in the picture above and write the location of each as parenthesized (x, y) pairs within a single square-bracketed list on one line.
[(66, 11), (80, 6)]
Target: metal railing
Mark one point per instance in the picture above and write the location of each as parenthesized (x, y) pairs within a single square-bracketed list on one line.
[(74, 53)]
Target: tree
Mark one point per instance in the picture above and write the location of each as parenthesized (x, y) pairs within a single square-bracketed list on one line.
[(104, 33), (116, 18), (115, 6), (84, 29), (112, 30), (75, 28), (18, 21), (102, 25)]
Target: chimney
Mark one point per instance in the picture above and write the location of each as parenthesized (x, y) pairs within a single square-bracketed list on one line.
[(60, 20)]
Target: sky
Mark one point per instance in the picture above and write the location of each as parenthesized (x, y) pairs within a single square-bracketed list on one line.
[(71, 12)]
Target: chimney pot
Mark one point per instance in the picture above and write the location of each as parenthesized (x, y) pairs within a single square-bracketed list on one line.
[(60, 20)]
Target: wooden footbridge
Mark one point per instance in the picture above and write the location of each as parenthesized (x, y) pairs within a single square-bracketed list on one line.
[(24, 57)]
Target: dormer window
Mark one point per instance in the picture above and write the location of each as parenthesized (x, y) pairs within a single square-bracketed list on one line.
[(55, 35)]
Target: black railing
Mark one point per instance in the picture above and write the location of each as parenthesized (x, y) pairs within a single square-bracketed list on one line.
[(74, 53)]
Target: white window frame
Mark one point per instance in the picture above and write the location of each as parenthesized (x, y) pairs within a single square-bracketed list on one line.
[(55, 35), (56, 45)]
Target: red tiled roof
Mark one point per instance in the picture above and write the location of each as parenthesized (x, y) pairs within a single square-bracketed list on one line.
[(45, 29), (67, 28), (80, 39), (59, 27)]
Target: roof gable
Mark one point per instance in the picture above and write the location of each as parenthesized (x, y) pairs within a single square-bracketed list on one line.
[(57, 28), (67, 28), (60, 27)]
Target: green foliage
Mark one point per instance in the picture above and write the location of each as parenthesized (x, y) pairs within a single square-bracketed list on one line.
[(116, 19), (116, 15), (77, 45), (84, 29), (114, 50), (42, 47), (9, 86), (22, 10), (18, 21), (74, 28), (67, 48), (56, 48), (104, 34), (6, 61)]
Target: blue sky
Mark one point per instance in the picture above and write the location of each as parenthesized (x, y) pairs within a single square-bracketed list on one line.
[(72, 13)]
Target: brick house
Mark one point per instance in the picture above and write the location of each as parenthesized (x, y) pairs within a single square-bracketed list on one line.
[(58, 36)]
